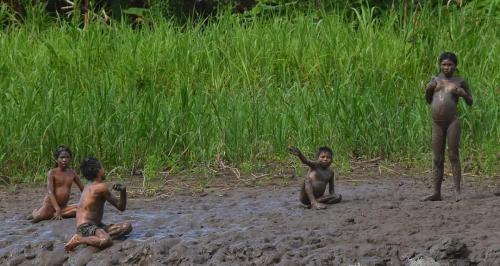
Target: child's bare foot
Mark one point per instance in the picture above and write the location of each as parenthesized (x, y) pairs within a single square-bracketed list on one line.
[(318, 206), (73, 243), (433, 197)]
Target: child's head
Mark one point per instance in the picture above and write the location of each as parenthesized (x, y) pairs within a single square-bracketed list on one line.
[(63, 155), (450, 56), (90, 168), (325, 156), (448, 62)]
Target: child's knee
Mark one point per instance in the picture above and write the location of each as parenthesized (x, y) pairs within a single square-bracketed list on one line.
[(40, 215), (127, 228), (454, 158), (105, 242), (438, 161)]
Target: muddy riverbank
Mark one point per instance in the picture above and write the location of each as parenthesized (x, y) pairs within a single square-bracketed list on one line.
[(380, 222)]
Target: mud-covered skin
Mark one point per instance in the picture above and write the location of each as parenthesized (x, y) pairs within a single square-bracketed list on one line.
[(59, 182), (318, 177), (443, 93), (91, 210)]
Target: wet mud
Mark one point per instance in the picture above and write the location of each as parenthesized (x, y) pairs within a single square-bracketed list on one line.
[(379, 222)]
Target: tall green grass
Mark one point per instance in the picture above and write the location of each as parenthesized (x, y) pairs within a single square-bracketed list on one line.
[(243, 89)]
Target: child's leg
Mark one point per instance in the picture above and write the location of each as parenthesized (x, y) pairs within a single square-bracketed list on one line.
[(118, 230), (304, 199), (330, 199), (46, 212), (438, 146), (453, 134), (101, 239), (69, 211)]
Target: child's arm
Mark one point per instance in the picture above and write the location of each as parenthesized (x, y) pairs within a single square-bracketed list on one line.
[(120, 204), (429, 89), (295, 151), (78, 182), (331, 185), (52, 197), (465, 93)]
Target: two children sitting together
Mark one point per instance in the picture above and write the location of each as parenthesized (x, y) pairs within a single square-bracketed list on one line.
[(89, 211)]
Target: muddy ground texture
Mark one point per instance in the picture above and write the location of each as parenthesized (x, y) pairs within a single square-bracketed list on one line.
[(381, 221)]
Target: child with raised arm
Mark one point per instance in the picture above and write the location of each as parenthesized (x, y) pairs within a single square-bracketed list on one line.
[(59, 181), (90, 229), (319, 175), (442, 93)]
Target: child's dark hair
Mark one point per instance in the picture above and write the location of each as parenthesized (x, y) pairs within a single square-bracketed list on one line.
[(324, 149), (60, 149), (450, 56), (89, 167)]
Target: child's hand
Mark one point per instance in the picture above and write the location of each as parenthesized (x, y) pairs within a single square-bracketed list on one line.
[(119, 187), (294, 150), (433, 83), (459, 91), (57, 215)]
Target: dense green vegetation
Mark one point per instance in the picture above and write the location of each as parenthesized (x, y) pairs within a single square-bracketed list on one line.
[(243, 88)]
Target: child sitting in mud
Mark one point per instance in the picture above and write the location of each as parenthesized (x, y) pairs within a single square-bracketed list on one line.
[(442, 93), (59, 181), (90, 229), (318, 176)]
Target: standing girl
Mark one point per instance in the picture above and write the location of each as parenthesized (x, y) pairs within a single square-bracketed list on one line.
[(442, 93)]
